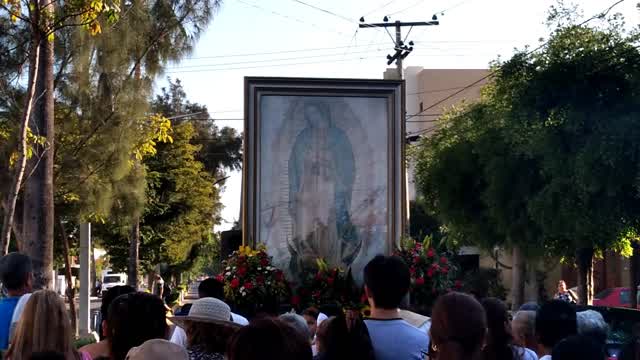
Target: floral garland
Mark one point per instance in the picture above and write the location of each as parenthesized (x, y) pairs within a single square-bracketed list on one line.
[(250, 279), (432, 273)]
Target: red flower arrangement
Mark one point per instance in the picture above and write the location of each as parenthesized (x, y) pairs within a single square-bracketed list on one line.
[(250, 279), (432, 274), (326, 285)]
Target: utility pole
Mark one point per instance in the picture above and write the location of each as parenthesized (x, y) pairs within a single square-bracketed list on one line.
[(401, 50), (85, 283)]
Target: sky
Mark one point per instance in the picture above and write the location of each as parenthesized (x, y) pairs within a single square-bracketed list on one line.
[(320, 38)]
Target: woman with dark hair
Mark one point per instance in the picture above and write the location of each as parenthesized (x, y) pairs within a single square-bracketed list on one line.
[(133, 319), (458, 328), (499, 343), (101, 348), (345, 338), (267, 339)]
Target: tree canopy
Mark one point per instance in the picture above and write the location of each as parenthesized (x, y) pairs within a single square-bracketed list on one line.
[(547, 159)]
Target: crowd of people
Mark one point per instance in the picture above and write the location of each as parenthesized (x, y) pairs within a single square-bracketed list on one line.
[(135, 326)]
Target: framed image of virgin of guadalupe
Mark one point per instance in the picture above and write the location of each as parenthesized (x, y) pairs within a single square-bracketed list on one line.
[(323, 170)]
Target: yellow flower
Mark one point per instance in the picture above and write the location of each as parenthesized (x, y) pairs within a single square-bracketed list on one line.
[(247, 251)]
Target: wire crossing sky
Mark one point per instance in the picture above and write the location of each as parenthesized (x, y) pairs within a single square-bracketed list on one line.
[(319, 38)]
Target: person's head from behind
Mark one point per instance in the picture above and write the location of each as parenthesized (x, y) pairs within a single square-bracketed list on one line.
[(387, 282), (592, 324), (16, 273), (555, 320), (499, 338), (133, 319), (268, 338), (322, 334), (311, 317), (340, 338), (578, 347), (107, 299), (297, 322), (158, 349), (529, 306), (208, 325), (211, 288), (523, 328), (458, 327), (43, 327)]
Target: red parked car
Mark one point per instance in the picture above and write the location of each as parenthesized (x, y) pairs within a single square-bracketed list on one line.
[(614, 297)]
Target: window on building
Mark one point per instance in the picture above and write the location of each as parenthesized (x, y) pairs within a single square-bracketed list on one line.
[(421, 107)]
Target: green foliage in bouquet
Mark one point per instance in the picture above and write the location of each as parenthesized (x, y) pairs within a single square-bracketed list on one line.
[(432, 273)]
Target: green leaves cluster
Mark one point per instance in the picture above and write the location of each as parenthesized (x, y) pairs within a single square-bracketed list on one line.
[(549, 158)]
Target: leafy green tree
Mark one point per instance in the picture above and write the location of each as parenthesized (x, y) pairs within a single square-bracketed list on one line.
[(547, 161), (180, 203), (221, 147), (476, 186), (36, 24)]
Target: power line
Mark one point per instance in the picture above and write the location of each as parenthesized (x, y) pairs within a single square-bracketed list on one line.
[(373, 43), (327, 58), (325, 11), (293, 18), (353, 38), (277, 59), (265, 66), (435, 90), (493, 72), (442, 12), (379, 7), (281, 52), (407, 8)]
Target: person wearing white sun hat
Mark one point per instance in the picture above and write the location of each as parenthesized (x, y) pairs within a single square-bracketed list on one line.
[(158, 349), (208, 327)]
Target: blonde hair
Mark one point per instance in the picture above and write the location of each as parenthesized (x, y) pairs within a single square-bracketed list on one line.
[(44, 326)]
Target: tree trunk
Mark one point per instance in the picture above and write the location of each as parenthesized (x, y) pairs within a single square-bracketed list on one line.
[(134, 247), (38, 211), (634, 276), (584, 260), (21, 163), (70, 291), (518, 278), (17, 228)]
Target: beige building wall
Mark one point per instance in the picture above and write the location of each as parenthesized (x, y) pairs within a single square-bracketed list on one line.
[(426, 91)]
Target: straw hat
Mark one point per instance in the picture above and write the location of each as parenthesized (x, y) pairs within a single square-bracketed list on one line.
[(158, 349), (208, 310)]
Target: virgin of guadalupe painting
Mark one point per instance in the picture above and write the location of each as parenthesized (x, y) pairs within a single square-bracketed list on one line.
[(323, 176), (322, 172)]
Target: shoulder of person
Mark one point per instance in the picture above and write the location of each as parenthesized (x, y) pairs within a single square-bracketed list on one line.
[(414, 319), (524, 353), (396, 325)]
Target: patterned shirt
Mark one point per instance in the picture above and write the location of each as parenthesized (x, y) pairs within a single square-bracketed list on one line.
[(197, 353), (565, 296)]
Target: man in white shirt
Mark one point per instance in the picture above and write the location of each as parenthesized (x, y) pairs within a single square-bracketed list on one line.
[(208, 288), (555, 321)]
